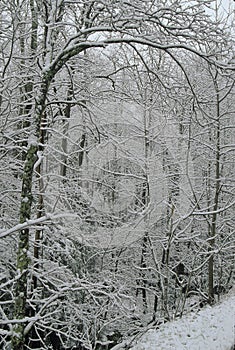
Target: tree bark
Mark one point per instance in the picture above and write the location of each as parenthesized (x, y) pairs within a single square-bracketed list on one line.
[(23, 261)]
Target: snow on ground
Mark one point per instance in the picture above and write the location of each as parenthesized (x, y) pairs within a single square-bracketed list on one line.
[(212, 328)]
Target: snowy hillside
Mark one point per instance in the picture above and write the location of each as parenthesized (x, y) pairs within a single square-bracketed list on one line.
[(209, 329)]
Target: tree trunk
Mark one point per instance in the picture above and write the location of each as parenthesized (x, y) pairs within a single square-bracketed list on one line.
[(213, 229), (23, 247), (22, 265)]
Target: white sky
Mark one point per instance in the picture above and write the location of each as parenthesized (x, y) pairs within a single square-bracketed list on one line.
[(226, 5)]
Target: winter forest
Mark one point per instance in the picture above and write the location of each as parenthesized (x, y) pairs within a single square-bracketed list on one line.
[(117, 150)]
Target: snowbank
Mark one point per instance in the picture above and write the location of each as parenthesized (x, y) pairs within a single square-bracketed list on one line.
[(209, 329)]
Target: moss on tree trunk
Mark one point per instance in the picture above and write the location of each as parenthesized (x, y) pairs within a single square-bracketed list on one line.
[(23, 247)]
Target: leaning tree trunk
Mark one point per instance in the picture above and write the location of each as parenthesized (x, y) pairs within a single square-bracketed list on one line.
[(29, 157), (22, 265), (23, 247), (34, 145)]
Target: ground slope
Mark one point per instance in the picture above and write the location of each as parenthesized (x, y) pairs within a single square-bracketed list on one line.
[(212, 328)]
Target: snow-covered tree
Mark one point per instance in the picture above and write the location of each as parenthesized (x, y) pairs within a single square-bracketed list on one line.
[(95, 195)]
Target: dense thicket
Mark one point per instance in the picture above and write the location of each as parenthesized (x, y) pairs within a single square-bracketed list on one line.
[(117, 148)]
